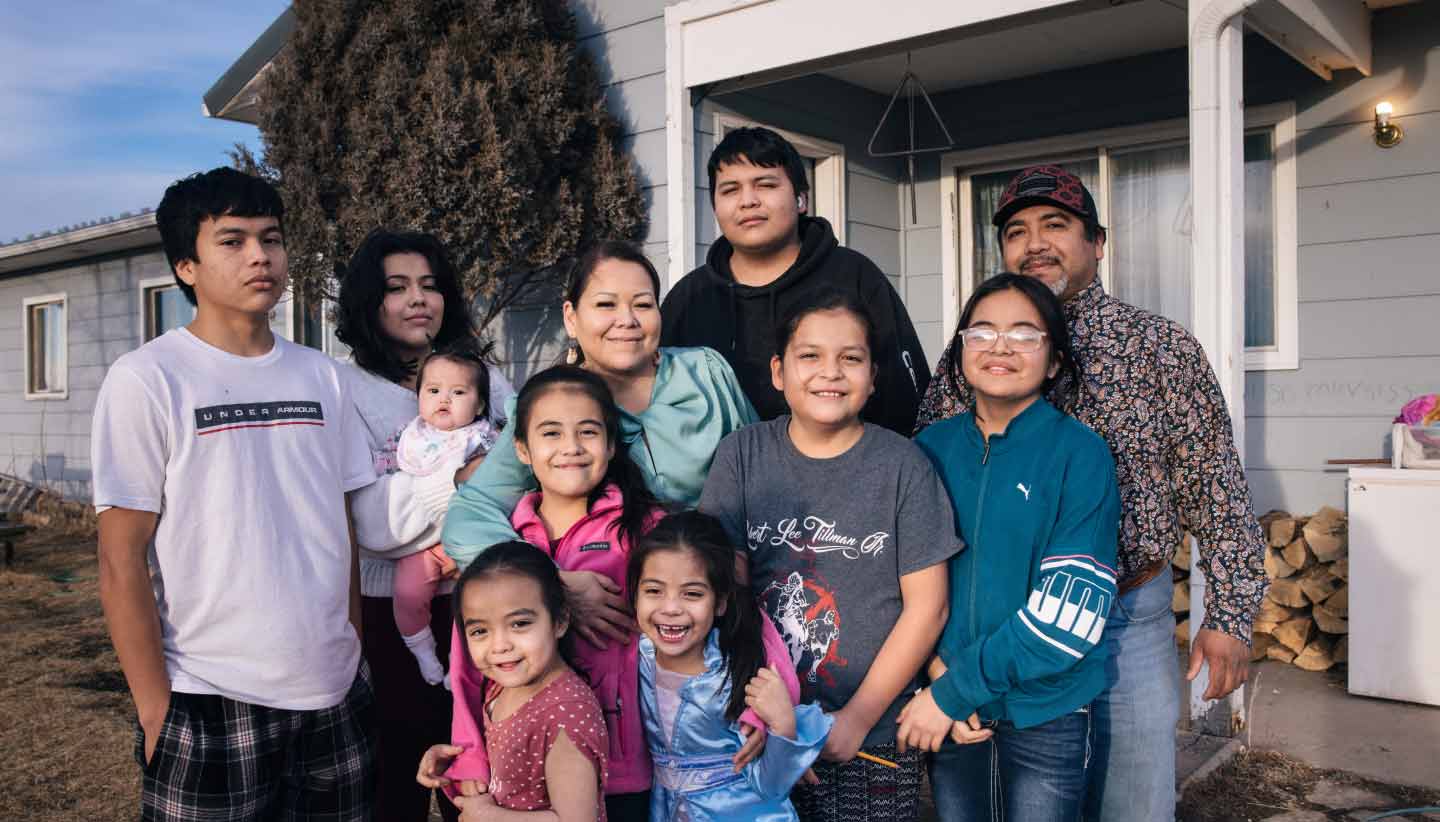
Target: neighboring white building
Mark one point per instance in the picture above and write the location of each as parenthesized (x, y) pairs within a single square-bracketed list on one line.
[(79, 299)]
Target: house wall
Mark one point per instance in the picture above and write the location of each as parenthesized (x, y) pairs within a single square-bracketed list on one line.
[(47, 442), (626, 39), (1369, 290), (1368, 233)]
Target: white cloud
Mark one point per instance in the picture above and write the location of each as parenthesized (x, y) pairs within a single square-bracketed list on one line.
[(100, 102)]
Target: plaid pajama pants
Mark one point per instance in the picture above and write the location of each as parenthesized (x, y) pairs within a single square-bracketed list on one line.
[(219, 759), (861, 790)]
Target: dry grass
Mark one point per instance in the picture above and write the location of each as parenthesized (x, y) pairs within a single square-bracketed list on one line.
[(67, 728), (67, 734)]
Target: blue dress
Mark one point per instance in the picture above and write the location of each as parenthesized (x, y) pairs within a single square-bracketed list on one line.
[(694, 777)]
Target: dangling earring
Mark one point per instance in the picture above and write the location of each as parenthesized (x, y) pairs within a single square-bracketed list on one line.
[(572, 354)]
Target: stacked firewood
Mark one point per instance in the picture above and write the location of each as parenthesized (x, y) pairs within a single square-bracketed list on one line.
[(1304, 619)]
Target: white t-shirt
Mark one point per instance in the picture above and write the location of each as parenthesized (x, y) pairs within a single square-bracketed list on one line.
[(247, 461)]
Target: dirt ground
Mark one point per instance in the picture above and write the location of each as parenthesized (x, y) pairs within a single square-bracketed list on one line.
[(1258, 785), (67, 734)]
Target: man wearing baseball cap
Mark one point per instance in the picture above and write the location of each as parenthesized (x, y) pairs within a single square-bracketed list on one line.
[(1150, 392)]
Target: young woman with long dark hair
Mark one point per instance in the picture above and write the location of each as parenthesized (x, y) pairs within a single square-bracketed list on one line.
[(676, 404), (399, 299)]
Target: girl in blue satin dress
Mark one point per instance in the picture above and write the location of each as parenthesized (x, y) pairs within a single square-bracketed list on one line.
[(702, 662)]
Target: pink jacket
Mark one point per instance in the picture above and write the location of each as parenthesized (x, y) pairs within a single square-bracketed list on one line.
[(592, 544)]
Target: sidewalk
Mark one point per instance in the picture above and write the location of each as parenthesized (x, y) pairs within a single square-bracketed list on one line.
[(1311, 717)]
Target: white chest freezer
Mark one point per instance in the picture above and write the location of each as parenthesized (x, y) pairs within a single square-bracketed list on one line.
[(1395, 584)]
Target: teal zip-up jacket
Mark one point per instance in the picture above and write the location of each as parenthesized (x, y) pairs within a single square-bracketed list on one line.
[(1039, 509), (696, 402)]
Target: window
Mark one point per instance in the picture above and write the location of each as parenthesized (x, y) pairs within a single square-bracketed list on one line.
[(45, 347), (1140, 178), (162, 307), (824, 169)]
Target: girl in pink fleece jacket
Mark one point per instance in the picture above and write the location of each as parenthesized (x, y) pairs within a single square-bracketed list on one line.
[(591, 507)]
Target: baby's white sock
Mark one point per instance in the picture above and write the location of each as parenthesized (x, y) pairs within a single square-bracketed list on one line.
[(422, 645)]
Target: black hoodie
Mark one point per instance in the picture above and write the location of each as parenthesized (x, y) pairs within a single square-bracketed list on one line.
[(707, 307)]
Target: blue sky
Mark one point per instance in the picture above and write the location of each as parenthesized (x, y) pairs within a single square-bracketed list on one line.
[(100, 102)]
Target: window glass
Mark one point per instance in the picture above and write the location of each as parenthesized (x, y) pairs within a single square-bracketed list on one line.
[(1260, 305), (1148, 241), (1150, 228), (45, 340), (165, 308)]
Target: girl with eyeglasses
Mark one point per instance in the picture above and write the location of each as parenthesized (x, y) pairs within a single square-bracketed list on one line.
[(1036, 502)]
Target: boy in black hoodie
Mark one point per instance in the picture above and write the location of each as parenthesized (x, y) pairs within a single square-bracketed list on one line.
[(771, 256)]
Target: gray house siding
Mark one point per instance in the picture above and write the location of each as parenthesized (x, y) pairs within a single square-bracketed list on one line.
[(1368, 231), (1369, 234), (47, 441), (1369, 290)]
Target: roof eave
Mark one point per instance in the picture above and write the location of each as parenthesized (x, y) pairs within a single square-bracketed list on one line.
[(235, 95), (125, 234)]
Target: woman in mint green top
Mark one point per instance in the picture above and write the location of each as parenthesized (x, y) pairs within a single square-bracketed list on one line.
[(676, 405), (1037, 504)]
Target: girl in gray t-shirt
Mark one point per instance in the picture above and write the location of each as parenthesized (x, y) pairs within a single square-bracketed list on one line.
[(847, 531)]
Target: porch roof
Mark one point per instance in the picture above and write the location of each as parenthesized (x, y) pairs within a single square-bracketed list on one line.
[(728, 44)]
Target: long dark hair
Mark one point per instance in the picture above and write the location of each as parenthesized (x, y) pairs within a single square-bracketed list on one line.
[(591, 259), (741, 645), (1065, 385), (362, 292), (636, 499), (524, 560)]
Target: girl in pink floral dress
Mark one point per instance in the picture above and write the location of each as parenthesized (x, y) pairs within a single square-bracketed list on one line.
[(543, 726)]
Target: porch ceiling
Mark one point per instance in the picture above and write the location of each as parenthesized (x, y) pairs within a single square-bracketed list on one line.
[(1091, 36)]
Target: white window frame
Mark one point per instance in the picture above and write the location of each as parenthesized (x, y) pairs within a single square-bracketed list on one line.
[(45, 299), (828, 198), (956, 197), (146, 286)]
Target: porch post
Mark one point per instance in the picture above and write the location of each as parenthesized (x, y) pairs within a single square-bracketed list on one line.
[(679, 154), (1217, 185)]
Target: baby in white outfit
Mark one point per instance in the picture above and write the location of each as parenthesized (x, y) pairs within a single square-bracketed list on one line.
[(452, 427)]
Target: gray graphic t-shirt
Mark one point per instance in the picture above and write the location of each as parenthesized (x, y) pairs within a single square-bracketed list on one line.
[(828, 540)]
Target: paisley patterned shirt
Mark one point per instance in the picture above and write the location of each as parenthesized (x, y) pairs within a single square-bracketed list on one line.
[(1150, 392)]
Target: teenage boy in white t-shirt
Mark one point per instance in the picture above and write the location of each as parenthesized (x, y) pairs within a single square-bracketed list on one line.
[(222, 457)]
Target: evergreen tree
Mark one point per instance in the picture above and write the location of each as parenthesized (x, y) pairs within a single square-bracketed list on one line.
[(480, 121)]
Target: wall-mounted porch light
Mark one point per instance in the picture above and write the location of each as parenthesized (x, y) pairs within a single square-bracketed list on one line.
[(1387, 134)]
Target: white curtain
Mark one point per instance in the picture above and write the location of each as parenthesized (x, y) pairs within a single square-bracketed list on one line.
[(1149, 238), (1148, 242), (1259, 240)]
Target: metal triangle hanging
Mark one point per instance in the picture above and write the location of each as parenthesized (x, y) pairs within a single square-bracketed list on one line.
[(909, 82)]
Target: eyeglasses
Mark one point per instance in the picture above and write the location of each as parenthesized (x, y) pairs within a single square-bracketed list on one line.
[(1020, 340)]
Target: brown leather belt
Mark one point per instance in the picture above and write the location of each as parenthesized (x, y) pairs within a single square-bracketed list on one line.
[(1145, 575)]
